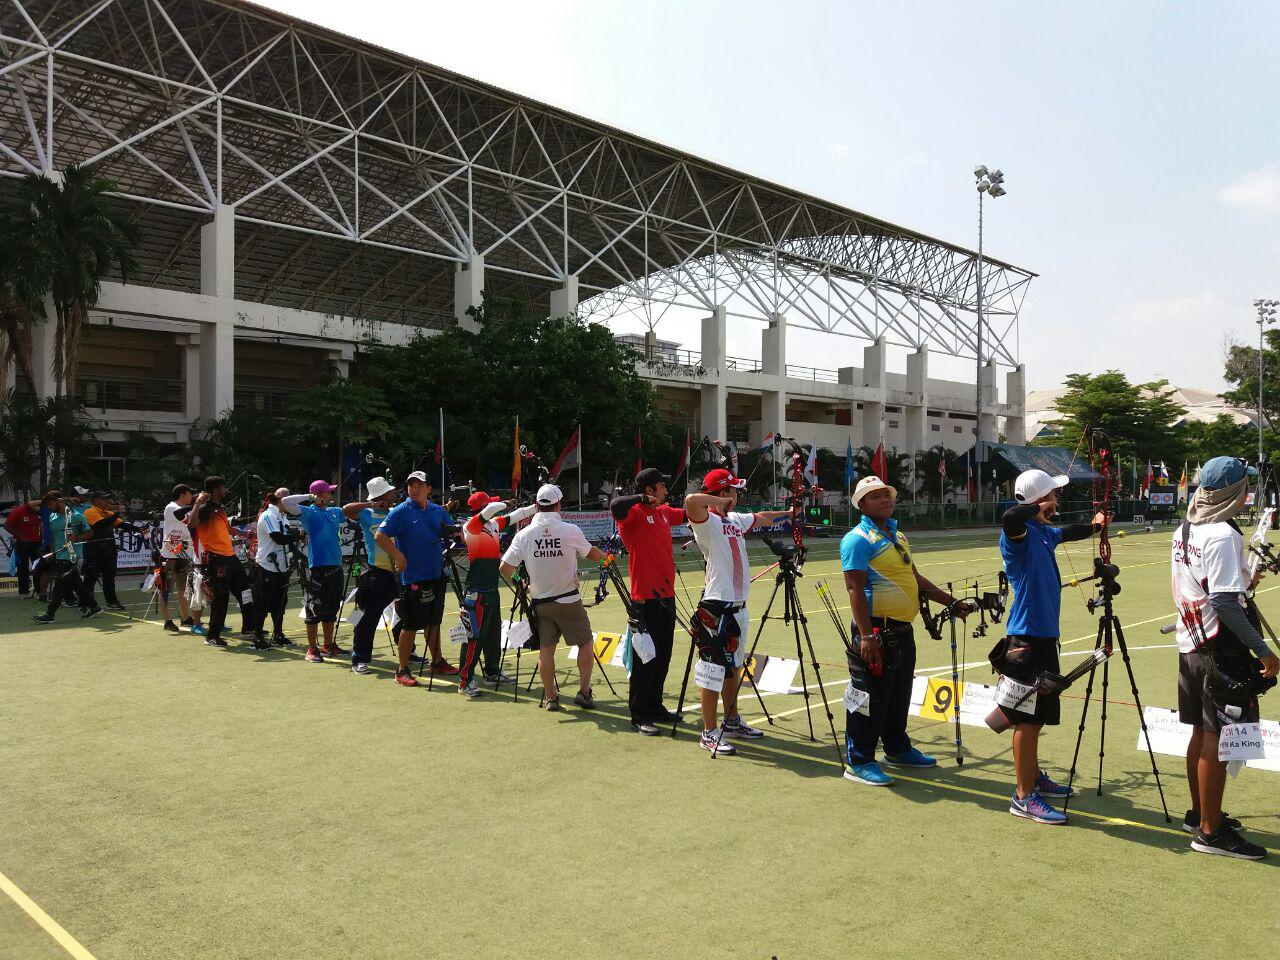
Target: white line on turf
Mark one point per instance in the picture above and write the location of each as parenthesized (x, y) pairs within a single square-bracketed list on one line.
[(49, 925)]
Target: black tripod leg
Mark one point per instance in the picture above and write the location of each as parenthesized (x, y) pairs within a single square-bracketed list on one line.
[(817, 676), (1084, 715), (790, 603), (746, 669), (1142, 717), (600, 669), (684, 685), (1106, 677), (955, 692)]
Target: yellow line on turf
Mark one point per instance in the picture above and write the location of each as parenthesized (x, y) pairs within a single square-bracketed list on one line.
[(50, 926)]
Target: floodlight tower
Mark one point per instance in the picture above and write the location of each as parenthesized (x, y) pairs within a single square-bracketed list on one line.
[(1266, 314), (990, 183)]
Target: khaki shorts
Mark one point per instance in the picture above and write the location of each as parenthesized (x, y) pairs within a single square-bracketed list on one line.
[(568, 620)]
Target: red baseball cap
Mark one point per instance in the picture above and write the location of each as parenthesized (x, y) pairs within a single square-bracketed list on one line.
[(721, 479), (479, 500)]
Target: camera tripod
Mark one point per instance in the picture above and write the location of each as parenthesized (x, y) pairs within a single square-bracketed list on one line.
[(1110, 636), (793, 614)]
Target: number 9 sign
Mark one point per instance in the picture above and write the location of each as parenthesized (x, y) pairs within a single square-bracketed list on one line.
[(941, 700)]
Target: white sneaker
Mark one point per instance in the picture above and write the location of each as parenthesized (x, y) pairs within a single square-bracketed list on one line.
[(711, 740), (737, 728), (470, 690), (497, 680), (360, 668)]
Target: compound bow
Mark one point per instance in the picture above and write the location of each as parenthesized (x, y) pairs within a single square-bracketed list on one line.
[(801, 490)]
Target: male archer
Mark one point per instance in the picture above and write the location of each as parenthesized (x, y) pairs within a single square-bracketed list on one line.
[(721, 622)]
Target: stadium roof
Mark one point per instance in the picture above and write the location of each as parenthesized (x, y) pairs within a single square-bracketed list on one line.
[(360, 178)]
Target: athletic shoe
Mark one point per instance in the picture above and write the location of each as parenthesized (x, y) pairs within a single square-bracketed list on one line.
[(43, 618), (470, 690), (737, 728), (1035, 808), (171, 627), (360, 668), (1058, 791), (333, 650), (416, 658), (198, 630), (1227, 843), (1191, 822), (313, 655), (214, 642), (669, 716), (585, 700), (280, 640), (911, 758), (644, 728), (497, 680), (115, 606), (443, 668), (870, 773), (90, 612), (260, 642), (43, 598), (406, 679), (713, 741), (24, 596), (187, 622), (553, 706)]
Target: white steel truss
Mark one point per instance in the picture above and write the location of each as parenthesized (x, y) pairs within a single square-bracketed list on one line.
[(361, 177)]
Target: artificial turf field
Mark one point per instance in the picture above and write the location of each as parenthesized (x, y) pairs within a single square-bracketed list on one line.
[(163, 799)]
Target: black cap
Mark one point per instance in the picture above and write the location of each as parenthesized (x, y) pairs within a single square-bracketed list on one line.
[(650, 477)]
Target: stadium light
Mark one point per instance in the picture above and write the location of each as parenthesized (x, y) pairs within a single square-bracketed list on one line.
[(988, 183), (1266, 314)]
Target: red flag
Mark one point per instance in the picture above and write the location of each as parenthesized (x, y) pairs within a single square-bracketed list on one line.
[(570, 456), (515, 458), (1149, 478), (684, 455), (439, 456), (942, 465), (971, 489), (639, 453), (880, 464)]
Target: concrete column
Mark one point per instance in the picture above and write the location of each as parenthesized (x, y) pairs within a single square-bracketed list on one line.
[(715, 417), (217, 339), (564, 302), (916, 421), (42, 343), (773, 353), (873, 364), (987, 415), (1015, 398), (191, 375), (468, 291), (650, 345)]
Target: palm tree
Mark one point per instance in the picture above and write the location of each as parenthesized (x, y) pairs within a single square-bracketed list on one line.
[(26, 275), (84, 239)]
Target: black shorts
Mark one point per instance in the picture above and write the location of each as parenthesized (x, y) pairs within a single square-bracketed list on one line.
[(1025, 658), (323, 594), (1195, 706), (421, 604)]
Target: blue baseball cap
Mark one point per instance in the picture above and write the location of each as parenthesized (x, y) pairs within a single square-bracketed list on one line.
[(1223, 472)]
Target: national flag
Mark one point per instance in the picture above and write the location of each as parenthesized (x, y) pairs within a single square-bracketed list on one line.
[(811, 465), (942, 465), (515, 458), (570, 456), (1164, 473), (1148, 479), (684, 455), (639, 453), (768, 440), (849, 472), (880, 463), (1195, 477), (1182, 485), (439, 454), (970, 489)]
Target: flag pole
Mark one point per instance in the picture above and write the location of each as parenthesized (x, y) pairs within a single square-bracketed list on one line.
[(578, 427), (443, 493)]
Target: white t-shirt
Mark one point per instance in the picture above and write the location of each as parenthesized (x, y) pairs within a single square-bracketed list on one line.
[(723, 542), (1217, 564), (549, 547), (176, 533), (271, 555)]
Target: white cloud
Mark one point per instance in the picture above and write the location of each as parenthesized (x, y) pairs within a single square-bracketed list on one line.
[(839, 152), (1257, 190)]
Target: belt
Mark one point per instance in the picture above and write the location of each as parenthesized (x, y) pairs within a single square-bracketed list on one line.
[(889, 622)]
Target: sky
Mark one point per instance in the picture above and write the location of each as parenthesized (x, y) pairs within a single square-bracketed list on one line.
[(1139, 141)]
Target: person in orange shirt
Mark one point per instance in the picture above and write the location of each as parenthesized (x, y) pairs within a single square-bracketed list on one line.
[(222, 570), (100, 550)]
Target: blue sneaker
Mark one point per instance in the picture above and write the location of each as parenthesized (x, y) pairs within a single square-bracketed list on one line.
[(1047, 788), (1035, 808), (869, 773), (911, 758), (198, 630)]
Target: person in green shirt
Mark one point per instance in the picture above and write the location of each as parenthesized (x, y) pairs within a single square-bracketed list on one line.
[(67, 530)]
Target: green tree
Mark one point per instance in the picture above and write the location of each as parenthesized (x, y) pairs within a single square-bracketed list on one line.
[(36, 435), (1221, 436), (332, 415), (26, 275), (1138, 417)]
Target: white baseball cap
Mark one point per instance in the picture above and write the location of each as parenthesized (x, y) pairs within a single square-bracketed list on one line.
[(379, 487), (1031, 485), (417, 475), (867, 484), (549, 494)]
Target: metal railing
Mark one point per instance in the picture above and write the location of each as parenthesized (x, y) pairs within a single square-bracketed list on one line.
[(131, 393), (269, 400), (816, 374)]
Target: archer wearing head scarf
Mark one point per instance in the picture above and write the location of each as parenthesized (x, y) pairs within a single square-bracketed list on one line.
[(1224, 662)]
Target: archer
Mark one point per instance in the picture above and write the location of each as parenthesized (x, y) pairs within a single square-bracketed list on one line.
[(884, 594), (1030, 648)]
